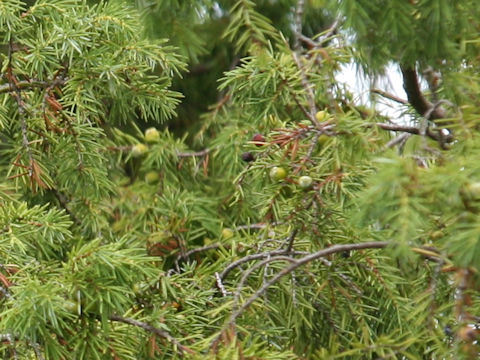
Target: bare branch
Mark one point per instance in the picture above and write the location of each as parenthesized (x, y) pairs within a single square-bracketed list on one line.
[(12, 83), (298, 22), (63, 201), (305, 260), (389, 96), (147, 327), (220, 285), (435, 135), (259, 256), (416, 97), (193, 154), (398, 140), (247, 273), (291, 239), (258, 226), (4, 88), (309, 91), (315, 44), (189, 253)]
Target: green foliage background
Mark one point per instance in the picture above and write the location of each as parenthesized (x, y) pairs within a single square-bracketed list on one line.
[(118, 246)]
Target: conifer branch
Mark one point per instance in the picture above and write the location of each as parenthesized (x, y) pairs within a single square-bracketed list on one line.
[(15, 90), (147, 327), (9, 338), (303, 76), (247, 273), (316, 256), (309, 91), (189, 253), (291, 239), (305, 260), (258, 256), (62, 200)]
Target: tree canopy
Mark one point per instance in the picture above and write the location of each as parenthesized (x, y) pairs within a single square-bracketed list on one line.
[(189, 179)]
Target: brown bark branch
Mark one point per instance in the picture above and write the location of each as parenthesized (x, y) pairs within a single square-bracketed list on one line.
[(416, 97), (389, 96), (435, 135), (305, 260)]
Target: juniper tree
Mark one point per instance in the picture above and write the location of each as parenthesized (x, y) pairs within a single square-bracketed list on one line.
[(283, 218)]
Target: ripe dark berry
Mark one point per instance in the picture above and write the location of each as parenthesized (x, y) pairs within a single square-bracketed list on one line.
[(258, 139), (248, 156)]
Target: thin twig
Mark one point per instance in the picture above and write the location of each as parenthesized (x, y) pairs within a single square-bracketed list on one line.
[(291, 239), (309, 91), (311, 148), (435, 135), (303, 76), (331, 30), (12, 83), (189, 253), (4, 88), (5, 292), (259, 256), (193, 154), (397, 140), (343, 277), (247, 273), (147, 327), (64, 204), (36, 350), (389, 96), (257, 226), (305, 260), (436, 106), (315, 44)]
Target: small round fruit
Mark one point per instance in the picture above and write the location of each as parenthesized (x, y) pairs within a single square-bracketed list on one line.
[(305, 182), (207, 241), (139, 150), (321, 115), (278, 173), (152, 135), (248, 157), (152, 177), (71, 307), (258, 139), (139, 288), (323, 139), (436, 235), (472, 191), (227, 233)]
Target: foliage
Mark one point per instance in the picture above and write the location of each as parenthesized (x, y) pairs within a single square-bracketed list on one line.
[(185, 243)]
